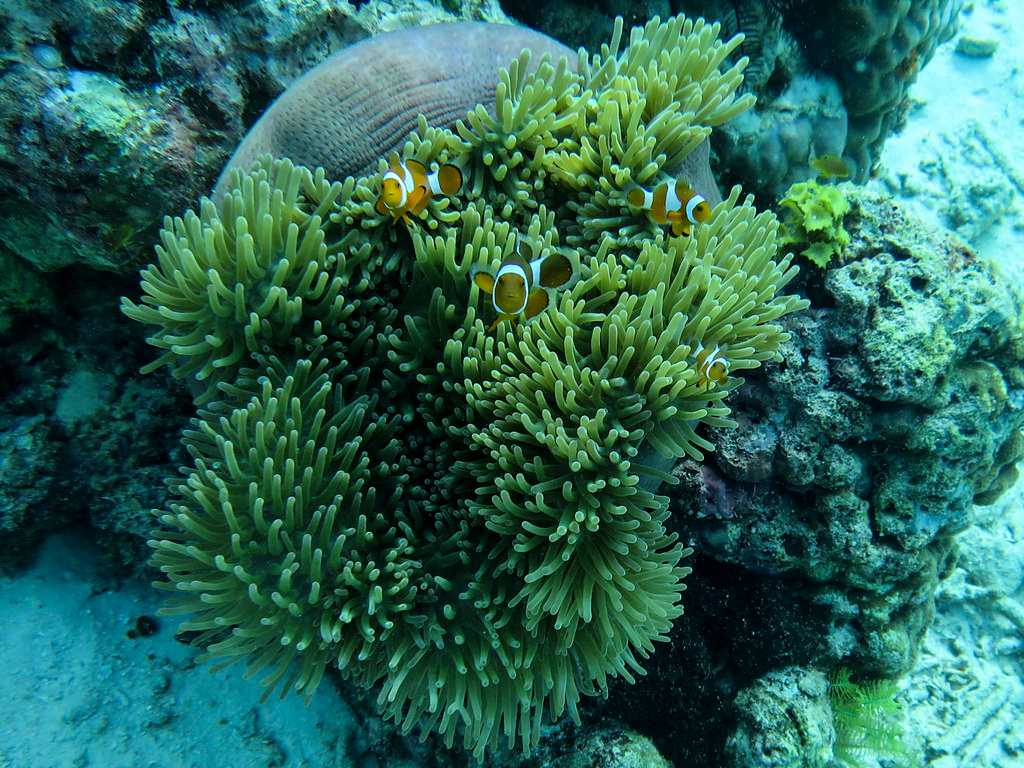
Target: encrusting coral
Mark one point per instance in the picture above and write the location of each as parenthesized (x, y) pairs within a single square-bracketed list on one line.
[(465, 520)]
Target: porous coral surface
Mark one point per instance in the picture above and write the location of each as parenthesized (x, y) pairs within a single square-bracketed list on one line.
[(83, 439), (896, 408), (112, 114), (462, 520)]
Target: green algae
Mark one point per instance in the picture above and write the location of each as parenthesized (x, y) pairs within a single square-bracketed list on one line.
[(812, 219)]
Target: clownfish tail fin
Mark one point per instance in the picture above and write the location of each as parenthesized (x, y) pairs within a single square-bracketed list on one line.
[(449, 179), (638, 197), (555, 271), (483, 279)]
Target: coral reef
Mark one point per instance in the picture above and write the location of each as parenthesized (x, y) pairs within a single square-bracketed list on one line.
[(465, 522), (27, 458), (771, 145), (82, 439), (110, 115), (874, 51), (897, 407), (803, 53), (113, 113), (829, 80)]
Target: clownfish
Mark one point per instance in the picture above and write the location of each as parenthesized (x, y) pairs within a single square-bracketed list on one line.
[(712, 365), (672, 203), (518, 287), (407, 187)]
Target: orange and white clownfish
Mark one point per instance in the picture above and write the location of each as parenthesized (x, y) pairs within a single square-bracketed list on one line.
[(674, 203), (519, 286), (407, 187), (712, 365)]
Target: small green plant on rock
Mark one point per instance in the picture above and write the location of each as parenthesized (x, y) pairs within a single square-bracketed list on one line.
[(812, 217), (868, 722)]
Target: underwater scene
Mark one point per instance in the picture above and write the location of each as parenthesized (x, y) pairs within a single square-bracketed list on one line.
[(490, 383)]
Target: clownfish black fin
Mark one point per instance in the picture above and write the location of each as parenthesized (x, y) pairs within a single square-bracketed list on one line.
[(536, 303), (637, 197), (449, 179), (483, 279), (555, 271)]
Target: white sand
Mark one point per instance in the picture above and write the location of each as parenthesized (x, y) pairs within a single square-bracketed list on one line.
[(959, 162), (77, 692)]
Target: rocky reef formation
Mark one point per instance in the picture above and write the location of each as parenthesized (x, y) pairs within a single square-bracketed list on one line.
[(896, 408), (783, 720), (113, 114), (821, 526), (824, 525), (83, 439)]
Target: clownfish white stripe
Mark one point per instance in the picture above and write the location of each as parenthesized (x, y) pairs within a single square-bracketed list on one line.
[(434, 183), (535, 271), (410, 183), (672, 201), (401, 186), (648, 198), (691, 206), (512, 269)]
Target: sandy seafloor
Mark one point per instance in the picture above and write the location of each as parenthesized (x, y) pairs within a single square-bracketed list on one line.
[(77, 691)]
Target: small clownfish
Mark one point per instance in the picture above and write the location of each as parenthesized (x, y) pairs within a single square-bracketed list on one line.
[(712, 365), (518, 287), (407, 187), (672, 203)]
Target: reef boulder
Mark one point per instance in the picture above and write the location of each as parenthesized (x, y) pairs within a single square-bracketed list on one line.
[(897, 406)]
